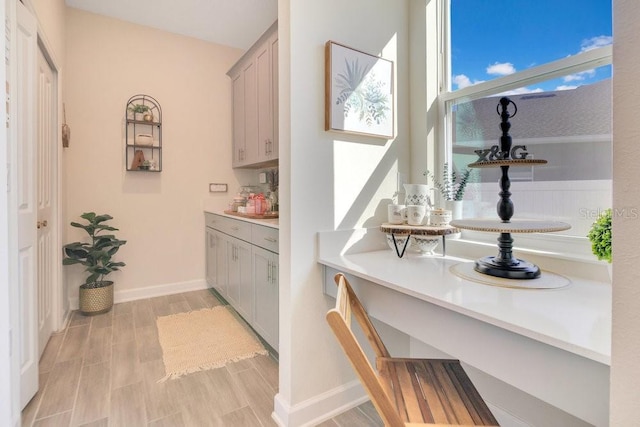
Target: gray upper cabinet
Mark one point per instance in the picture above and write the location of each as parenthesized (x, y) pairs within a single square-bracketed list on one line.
[(255, 104)]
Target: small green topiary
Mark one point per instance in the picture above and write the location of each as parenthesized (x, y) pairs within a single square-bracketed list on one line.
[(600, 236)]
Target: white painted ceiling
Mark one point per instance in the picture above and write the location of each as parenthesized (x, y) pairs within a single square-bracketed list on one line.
[(236, 23)]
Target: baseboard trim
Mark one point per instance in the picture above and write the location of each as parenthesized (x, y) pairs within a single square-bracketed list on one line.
[(317, 409), (150, 291)]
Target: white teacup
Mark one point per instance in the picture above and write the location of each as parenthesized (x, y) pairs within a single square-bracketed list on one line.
[(416, 214), (396, 214), (439, 217)]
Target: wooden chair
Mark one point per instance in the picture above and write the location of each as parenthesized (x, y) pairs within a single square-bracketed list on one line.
[(406, 392)]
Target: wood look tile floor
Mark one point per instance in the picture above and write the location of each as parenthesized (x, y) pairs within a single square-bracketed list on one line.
[(102, 371)]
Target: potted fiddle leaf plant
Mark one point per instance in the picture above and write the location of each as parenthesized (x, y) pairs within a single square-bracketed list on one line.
[(96, 294)]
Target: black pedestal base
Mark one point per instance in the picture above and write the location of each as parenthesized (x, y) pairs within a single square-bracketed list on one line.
[(516, 269)]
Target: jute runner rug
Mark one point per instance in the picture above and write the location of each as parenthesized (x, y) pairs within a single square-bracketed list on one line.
[(203, 339)]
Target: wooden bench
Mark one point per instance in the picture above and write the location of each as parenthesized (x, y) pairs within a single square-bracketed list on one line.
[(406, 392)]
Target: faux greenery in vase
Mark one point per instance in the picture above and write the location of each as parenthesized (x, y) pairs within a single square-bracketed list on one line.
[(600, 236), (452, 185), (96, 294)]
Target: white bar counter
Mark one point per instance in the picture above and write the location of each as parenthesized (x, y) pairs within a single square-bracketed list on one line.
[(553, 344)]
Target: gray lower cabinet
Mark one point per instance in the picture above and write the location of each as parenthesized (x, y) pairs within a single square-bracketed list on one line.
[(265, 281), (242, 266)]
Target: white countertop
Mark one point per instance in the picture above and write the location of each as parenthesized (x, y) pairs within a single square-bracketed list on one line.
[(272, 222), (576, 318)]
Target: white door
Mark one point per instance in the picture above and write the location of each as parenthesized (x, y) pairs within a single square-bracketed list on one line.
[(26, 209), (45, 161)]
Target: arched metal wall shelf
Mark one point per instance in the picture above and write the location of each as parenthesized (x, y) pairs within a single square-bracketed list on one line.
[(143, 134)]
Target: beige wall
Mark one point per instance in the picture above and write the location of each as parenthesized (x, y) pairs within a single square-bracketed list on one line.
[(159, 214), (625, 369), (51, 19)]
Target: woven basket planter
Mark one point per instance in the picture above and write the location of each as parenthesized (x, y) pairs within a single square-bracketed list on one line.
[(96, 300)]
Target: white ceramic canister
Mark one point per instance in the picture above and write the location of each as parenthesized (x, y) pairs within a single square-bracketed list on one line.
[(439, 217)]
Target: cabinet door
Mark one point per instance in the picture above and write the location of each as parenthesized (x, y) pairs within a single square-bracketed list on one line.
[(233, 273), (274, 95), (238, 119), (222, 278), (211, 258), (250, 153), (240, 287), (265, 279), (264, 99)]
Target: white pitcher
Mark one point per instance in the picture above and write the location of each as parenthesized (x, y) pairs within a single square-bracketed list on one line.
[(417, 194)]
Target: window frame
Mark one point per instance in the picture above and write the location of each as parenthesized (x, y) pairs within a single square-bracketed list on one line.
[(573, 247)]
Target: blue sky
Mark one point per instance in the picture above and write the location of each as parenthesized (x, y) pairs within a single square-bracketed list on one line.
[(492, 38)]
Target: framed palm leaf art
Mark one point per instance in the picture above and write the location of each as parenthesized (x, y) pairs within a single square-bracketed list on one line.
[(358, 92)]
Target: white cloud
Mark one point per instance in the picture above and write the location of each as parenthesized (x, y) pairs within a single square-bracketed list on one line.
[(566, 87), (501, 69), (463, 81), (579, 76), (595, 42), (521, 91)]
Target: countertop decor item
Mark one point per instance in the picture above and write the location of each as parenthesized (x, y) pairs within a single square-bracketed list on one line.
[(399, 235), (452, 185), (358, 92), (505, 265), (417, 194), (96, 294), (600, 236)]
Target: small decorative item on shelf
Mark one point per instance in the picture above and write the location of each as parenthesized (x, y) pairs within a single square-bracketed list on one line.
[(143, 139), (138, 159), (146, 165), (139, 111), (600, 236)]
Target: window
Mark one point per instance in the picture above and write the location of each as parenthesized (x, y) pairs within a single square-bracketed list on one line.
[(553, 59)]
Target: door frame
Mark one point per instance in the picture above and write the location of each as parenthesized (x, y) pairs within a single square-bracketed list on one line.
[(60, 311)]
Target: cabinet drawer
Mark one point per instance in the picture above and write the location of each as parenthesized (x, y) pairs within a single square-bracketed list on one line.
[(232, 227), (265, 237), (212, 220)]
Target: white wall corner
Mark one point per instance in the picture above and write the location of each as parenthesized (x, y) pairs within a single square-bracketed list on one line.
[(322, 407)]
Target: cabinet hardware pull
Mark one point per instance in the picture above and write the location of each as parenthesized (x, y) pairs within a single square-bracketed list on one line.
[(271, 239), (273, 273), (269, 271), (38, 224), (44, 223)]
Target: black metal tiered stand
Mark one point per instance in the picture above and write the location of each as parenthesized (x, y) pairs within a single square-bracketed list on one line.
[(505, 265)]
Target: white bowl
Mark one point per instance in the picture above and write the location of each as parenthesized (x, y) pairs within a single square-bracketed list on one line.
[(424, 244), (400, 241), (143, 139)]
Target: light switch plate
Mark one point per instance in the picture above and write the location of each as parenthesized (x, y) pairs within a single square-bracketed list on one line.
[(262, 178), (217, 188)]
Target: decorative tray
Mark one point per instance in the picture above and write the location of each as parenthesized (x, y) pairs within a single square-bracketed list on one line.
[(270, 215)]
